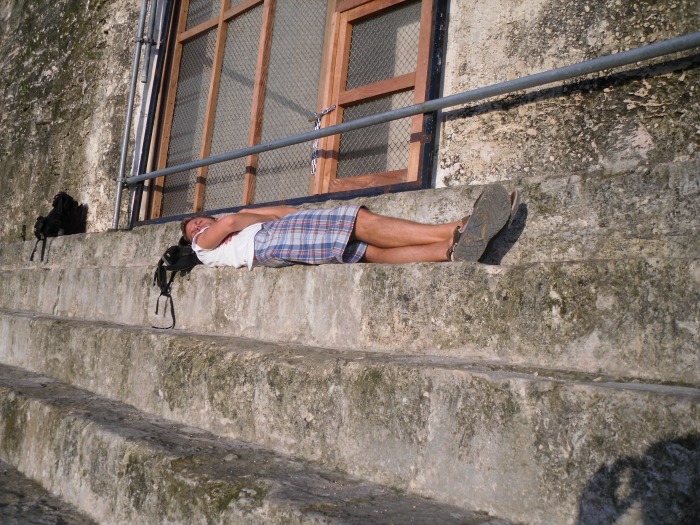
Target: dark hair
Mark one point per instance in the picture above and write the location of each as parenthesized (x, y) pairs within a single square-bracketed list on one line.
[(185, 222)]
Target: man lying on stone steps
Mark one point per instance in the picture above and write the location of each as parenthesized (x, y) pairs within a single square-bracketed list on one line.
[(279, 236)]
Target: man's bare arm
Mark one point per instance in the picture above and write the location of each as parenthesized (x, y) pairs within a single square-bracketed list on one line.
[(276, 211), (225, 226)]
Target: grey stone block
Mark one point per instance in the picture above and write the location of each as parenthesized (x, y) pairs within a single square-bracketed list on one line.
[(123, 466), (633, 318), (522, 443), (646, 113), (638, 212)]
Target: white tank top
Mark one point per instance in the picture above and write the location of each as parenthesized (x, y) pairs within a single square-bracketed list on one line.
[(238, 251)]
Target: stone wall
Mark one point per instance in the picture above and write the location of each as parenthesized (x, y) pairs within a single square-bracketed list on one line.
[(64, 77), (640, 115), (65, 67)]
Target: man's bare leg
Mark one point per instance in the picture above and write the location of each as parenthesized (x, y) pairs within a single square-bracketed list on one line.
[(434, 252), (392, 240), (388, 232)]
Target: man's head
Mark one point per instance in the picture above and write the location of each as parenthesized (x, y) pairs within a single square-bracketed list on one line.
[(192, 225)]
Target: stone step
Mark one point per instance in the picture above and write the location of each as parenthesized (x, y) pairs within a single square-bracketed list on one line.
[(637, 318), (650, 211), (23, 502), (121, 465), (526, 444)]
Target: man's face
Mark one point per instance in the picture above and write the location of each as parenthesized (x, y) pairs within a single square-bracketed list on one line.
[(196, 225)]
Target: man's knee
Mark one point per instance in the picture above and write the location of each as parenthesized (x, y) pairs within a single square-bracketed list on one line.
[(365, 219)]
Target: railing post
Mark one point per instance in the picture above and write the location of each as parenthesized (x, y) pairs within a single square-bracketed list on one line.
[(129, 114)]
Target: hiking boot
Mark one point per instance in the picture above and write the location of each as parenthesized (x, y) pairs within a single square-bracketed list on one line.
[(492, 211)]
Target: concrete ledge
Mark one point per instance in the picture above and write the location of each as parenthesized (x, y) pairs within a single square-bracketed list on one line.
[(615, 317), (123, 466), (633, 318), (635, 213), (522, 443)]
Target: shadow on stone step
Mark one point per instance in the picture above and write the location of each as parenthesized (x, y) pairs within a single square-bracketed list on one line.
[(501, 244), (663, 486), (25, 501)]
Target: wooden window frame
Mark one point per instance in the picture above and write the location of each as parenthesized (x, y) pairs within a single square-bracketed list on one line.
[(342, 14), (220, 23), (347, 13)]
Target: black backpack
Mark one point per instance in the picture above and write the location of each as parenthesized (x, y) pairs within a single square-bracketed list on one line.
[(179, 258), (66, 217)]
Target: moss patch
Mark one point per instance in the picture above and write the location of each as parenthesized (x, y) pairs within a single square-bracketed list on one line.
[(14, 419)]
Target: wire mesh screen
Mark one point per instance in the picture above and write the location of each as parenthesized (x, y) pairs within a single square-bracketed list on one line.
[(384, 46), (188, 121), (290, 97), (232, 123), (379, 148), (201, 10)]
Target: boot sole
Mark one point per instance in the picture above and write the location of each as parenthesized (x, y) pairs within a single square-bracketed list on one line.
[(491, 213)]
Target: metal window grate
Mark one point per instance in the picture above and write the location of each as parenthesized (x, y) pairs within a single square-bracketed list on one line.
[(201, 10), (379, 148), (384, 46), (188, 121), (290, 98), (232, 123)]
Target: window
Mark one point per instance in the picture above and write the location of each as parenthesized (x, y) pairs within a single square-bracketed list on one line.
[(246, 72)]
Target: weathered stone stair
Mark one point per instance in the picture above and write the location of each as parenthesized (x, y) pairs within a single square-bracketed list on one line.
[(463, 432), (128, 467), (522, 391)]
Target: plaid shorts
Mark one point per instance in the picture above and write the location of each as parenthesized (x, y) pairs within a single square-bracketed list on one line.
[(310, 237)]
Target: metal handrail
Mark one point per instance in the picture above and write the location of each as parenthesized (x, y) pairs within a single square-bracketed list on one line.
[(121, 181), (658, 49)]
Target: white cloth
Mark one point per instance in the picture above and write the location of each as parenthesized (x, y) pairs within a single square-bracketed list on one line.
[(239, 251)]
